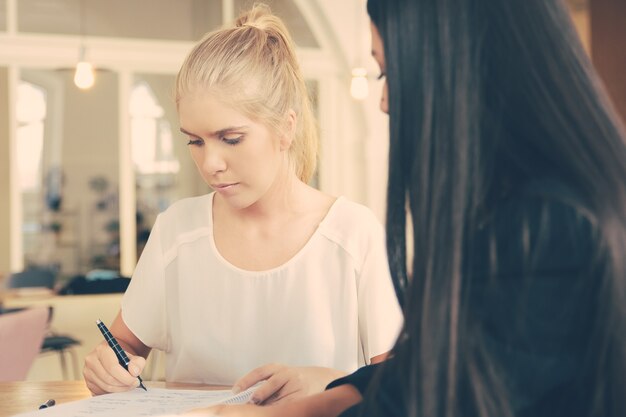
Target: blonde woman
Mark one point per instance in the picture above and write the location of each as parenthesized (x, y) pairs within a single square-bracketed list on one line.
[(266, 278)]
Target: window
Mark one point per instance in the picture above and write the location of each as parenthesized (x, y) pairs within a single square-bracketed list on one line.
[(151, 134), (31, 115)]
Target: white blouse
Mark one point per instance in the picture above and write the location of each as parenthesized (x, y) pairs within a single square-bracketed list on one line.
[(330, 305)]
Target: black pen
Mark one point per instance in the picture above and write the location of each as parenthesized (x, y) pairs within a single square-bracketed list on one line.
[(119, 352), (47, 404)]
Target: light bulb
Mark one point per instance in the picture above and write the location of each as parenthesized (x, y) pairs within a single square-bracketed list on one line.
[(359, 88), (84, 75)]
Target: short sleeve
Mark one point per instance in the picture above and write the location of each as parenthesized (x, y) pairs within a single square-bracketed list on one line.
[(360, 379), (388, 394), (380, 317), (143, 304)]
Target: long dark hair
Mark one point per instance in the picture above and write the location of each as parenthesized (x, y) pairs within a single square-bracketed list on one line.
[(484, 97)]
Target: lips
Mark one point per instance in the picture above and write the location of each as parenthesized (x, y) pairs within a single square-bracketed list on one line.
[(223, 186)]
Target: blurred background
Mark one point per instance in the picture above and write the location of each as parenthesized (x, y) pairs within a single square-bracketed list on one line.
[(90, 150)]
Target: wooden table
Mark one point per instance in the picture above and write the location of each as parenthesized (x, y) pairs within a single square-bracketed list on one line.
[(23, 396)]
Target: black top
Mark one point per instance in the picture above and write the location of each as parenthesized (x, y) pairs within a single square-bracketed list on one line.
[(535, 314)]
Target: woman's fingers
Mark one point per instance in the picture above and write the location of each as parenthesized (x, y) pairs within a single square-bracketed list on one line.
[(272, 388), (98, 385), (256, 375), (103, 373), (136, 365), (282, 383), (113, 368), (275, 377)]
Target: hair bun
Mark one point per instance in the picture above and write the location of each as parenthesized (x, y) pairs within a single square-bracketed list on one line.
[(259, 16)]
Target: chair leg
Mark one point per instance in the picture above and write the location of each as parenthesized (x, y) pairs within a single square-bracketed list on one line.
[(63, 365), (75, 368)]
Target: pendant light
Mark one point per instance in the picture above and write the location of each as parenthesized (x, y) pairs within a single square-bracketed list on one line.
[(84, 76), (359, 86)]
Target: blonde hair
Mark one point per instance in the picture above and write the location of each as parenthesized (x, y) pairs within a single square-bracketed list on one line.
[(253, 67)]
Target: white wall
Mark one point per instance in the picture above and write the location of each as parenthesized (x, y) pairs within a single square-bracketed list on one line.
[(364, 128)]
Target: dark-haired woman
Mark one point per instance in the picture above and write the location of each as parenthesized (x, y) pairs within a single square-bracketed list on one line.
[(513, 165)]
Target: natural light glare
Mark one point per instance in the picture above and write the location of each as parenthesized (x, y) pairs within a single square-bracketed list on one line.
[(31, 112), (151, 135)]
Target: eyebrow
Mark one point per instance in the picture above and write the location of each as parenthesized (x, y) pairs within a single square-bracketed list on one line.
[(217, 133)]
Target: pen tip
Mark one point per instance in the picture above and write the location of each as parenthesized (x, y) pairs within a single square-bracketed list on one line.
[(98, 321)]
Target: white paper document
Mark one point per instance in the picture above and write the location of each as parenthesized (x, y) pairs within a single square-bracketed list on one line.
[(154, 402)]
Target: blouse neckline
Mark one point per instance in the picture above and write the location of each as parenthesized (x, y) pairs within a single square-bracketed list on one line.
[(285, 264)]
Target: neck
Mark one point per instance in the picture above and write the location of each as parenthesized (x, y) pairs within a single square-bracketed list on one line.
[(279, 199), (282, 198)]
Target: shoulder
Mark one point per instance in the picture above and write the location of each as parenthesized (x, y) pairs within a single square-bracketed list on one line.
[(354, 228), (184, 216), (352, 212), (533, 295), (545, 208), (545, 224), (189, 204), (188, 208), (349, 219)]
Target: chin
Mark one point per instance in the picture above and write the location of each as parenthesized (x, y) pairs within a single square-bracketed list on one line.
[(238, 202)]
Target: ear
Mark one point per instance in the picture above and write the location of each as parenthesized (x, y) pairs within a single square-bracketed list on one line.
[(291, 121)]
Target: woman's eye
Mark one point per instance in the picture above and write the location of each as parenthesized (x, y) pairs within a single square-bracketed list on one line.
[(232, 140), (195, 142), (381, 76)]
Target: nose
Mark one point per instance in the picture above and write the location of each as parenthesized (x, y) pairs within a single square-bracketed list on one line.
[(384, 102), (213, 161)]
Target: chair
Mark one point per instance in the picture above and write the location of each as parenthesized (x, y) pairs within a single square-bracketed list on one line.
[(54, 342), (61, 344), (21, 336)]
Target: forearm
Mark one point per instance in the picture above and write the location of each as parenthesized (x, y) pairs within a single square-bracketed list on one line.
[(329, 403), (128, 348), (321, 377), (127, 339)]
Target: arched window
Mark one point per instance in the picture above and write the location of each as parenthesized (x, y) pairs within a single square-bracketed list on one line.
[(31, 115), (151, 134)]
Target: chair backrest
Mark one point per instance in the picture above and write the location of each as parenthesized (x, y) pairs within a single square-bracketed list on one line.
[(21, 337), (32, 277)]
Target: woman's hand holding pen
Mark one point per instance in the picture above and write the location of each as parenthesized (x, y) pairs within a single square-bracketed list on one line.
[(103, 373), (285, 383)]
